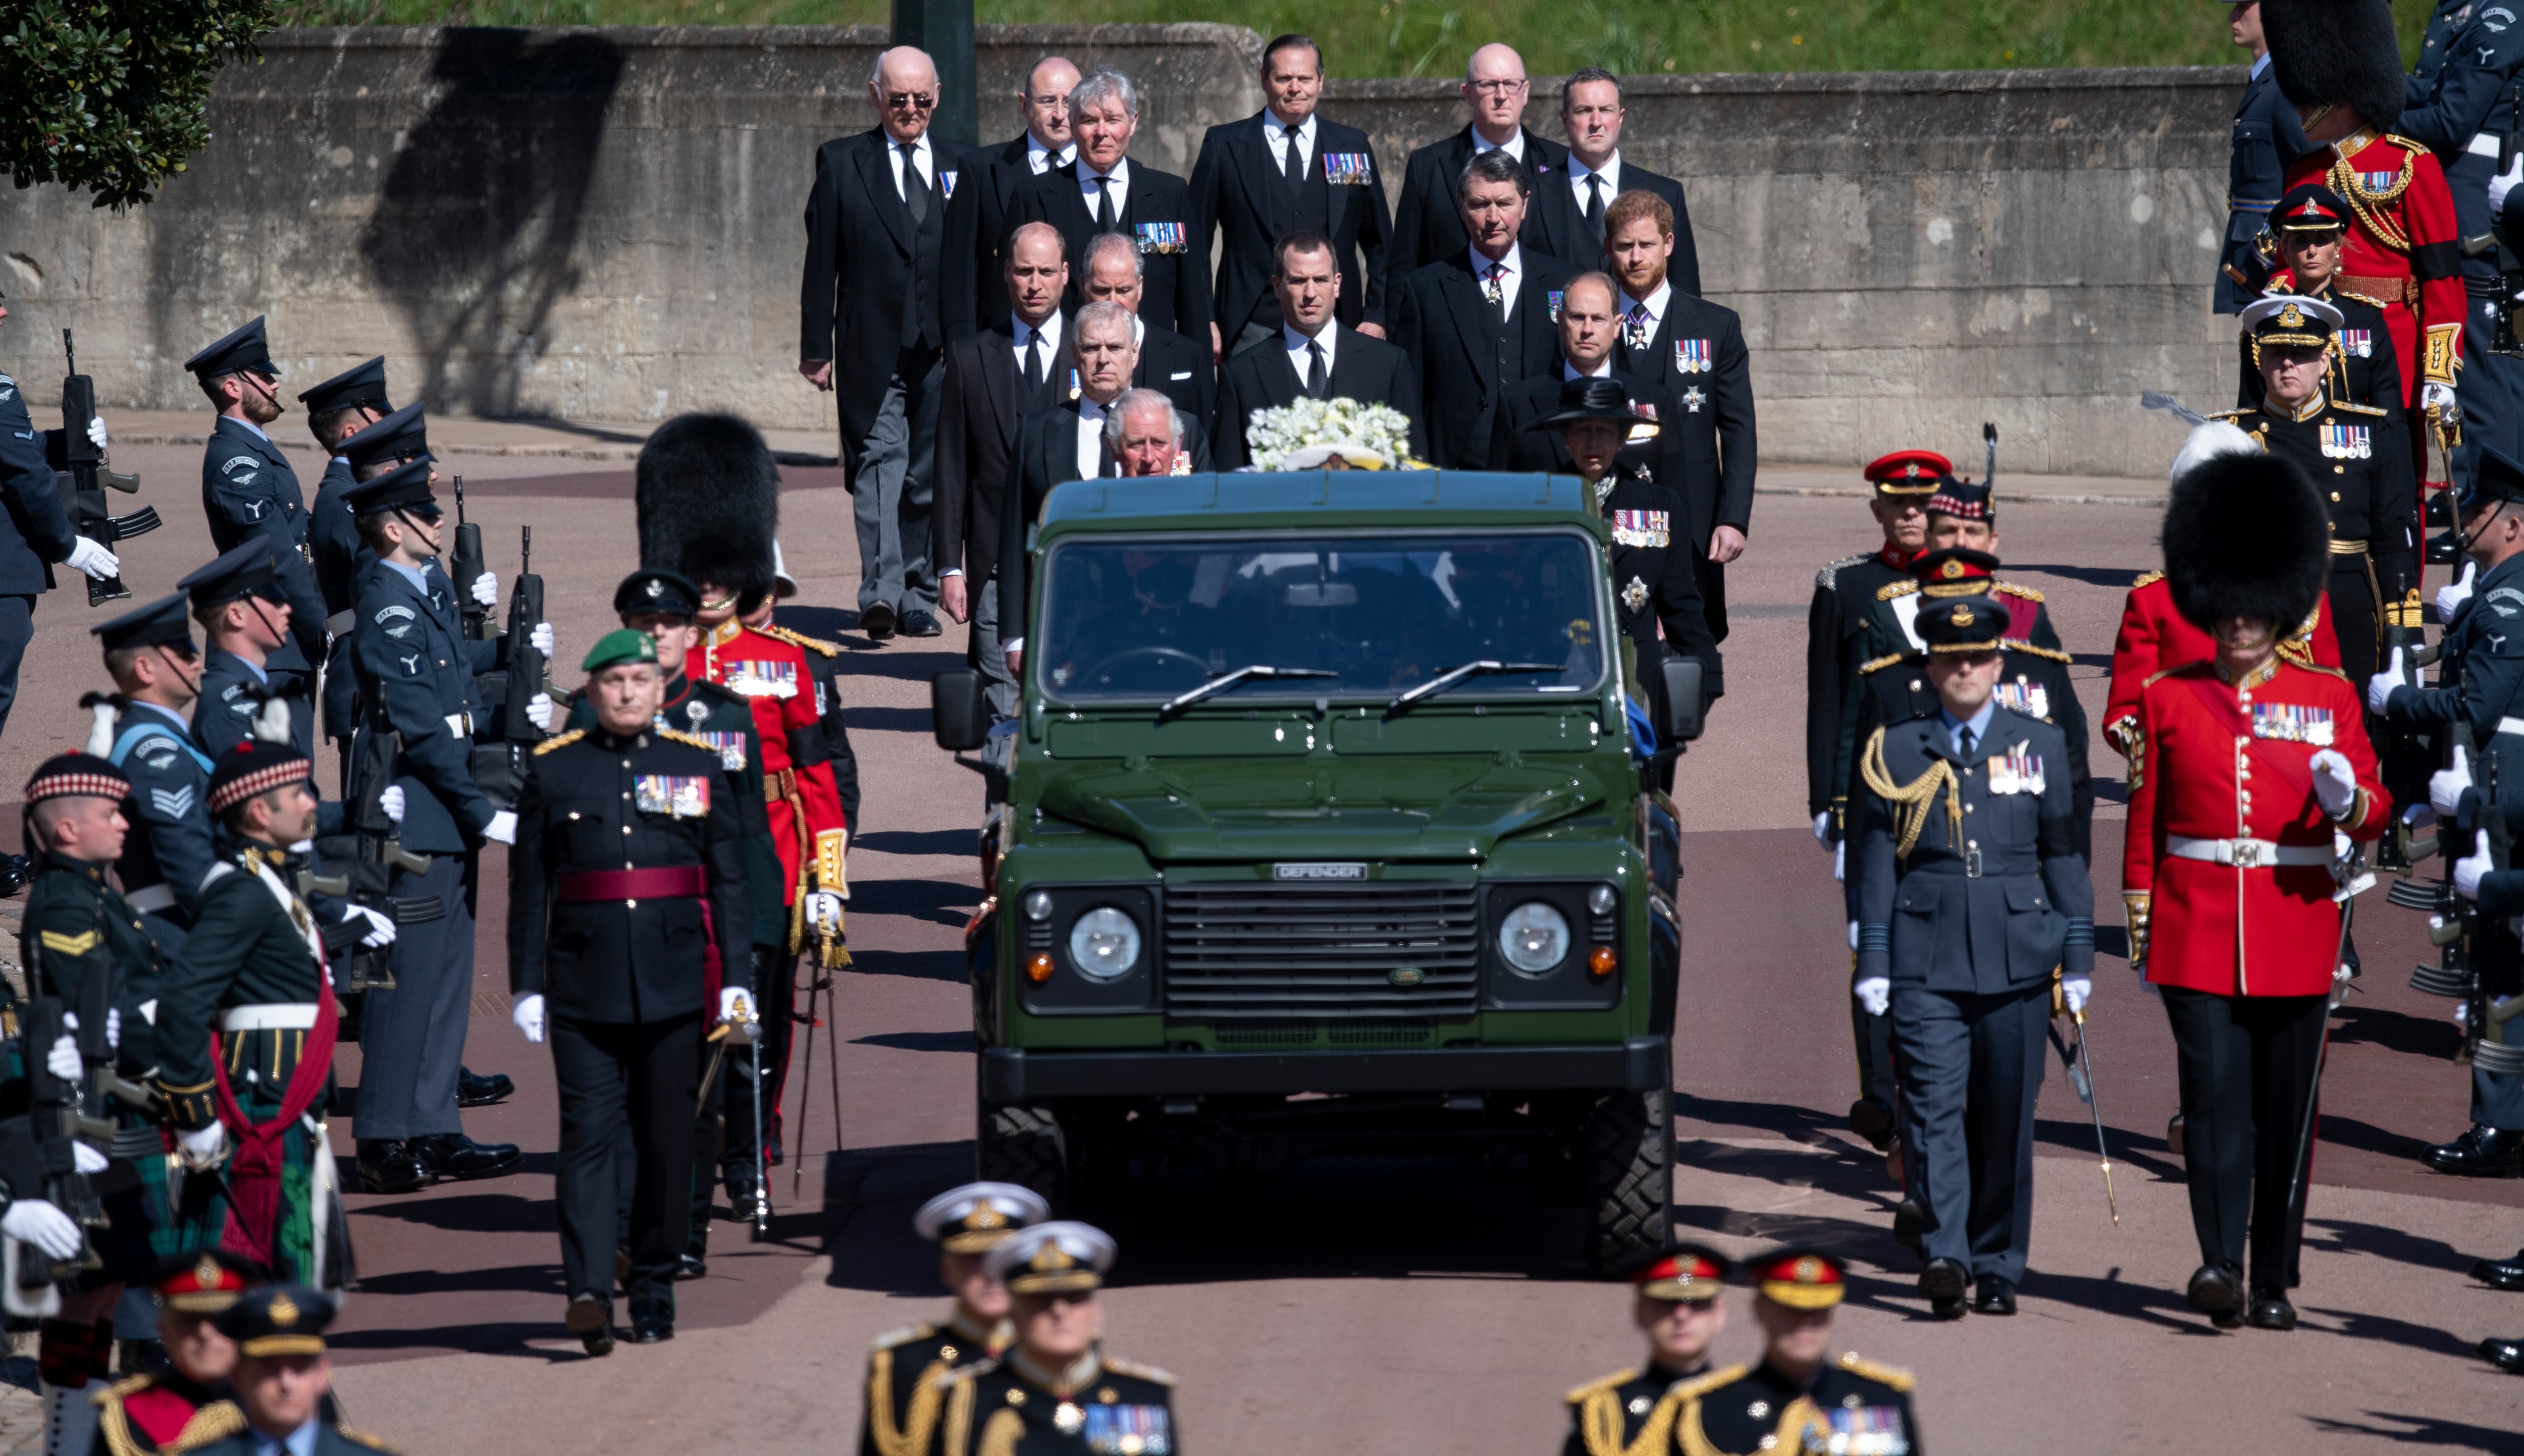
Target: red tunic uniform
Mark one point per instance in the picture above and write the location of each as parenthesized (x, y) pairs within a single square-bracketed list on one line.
[(144, 1414), (2223, 778), (772, 675), (2405, 249), (2154, 637)]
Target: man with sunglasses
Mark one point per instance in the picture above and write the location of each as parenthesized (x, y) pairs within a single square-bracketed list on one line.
[(1426, 227), (248, 486)]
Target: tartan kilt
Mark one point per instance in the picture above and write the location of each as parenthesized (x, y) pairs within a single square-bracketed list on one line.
[(310, 1240)]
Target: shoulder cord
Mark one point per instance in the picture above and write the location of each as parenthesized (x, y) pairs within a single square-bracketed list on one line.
[(1911, 801), (2345, 182)]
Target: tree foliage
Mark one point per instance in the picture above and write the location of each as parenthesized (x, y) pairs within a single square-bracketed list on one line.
[(109, 95)]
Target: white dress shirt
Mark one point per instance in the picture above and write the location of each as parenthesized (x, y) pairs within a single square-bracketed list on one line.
[(920, 157), (1514, 146), (1296, 343), (1569, 371), (1042, 159), (1025, 336), (1514, 263), (1275, 136), (1091, 438), (1119, 191), (1655, 303), (1579, 172)]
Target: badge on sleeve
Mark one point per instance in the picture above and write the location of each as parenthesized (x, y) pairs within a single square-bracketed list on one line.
[(2018, 770), (683, 796), (2289, 722)]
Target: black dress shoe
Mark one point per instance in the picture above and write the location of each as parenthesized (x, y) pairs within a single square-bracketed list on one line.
[(2217, 1292), (2500, 1274), (692, 1266), (2482, 1152), (2272, 1311), (455, 1156), (877, 620), (1944, 1279), (1872, 1120), (482, 1091), (15, 871), (2505, 1354), (1994, 1296), (1908, 1218), (591, 1319), (743, 1193), (387, 1167), (652, 1329), (1947, 1309), (2173, 1135), (918, 623)]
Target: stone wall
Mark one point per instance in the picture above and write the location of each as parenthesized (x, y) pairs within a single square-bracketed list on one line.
[(605, 224)]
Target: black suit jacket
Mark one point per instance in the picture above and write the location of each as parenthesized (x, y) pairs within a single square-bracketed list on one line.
[(1426, 226), (1442, 320), (972, 280), (871, 275), (1236, 184), (1175, 284), (1263, 376), (1177, 367), (1559, 224), (1697, 360), (1046, 454), (978, 414)]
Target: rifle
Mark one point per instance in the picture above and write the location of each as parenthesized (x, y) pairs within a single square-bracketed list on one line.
[(2405, 755), (89, 479), (527, 673), (376, 852), (470, 567), (37, 1153)]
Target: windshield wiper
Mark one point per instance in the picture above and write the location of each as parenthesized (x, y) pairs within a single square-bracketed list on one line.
[(1259, 671), (1453, 676)]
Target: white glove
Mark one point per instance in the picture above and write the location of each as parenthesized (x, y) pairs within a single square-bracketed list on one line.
[(1822, 829), (201, 1145), (96, 431), (2463, 1015), (2075, 991), (380, 932), (736, 1011), (88, 556), (88, 1159), (2451, 596), (1853, 935), (1874, 995), (2468, 869), (486, 589), (390, 799), (528, 1014), (2445, 786), (502, 828), (1841, 860), (2379, 688), (2498, 184), (36, 1222), (2433, 394), (823, 907), (542, 638), (114, 1027), (2335, 783), (62, 1060), (540, 712)]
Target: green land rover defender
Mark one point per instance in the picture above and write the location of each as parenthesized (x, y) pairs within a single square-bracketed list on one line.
[(1321, 829)]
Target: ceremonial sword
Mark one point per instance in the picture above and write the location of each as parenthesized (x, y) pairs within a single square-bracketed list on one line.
[(2081, 1078)]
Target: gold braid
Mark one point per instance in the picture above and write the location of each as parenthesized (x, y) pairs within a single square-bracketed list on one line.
[(1911, 801), (1599, 1423), (1001, 1432), (2344, 180)]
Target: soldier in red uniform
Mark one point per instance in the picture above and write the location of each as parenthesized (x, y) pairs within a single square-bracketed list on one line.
[(2340, 62), (2249, 766), (187, 1402)]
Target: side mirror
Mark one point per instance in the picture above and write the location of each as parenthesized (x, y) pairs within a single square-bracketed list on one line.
[(958, 712), (1682, 703)]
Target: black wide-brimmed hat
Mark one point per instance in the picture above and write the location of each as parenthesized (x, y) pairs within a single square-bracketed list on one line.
[(1600, 399)]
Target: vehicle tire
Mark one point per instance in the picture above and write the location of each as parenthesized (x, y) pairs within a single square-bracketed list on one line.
[(1629, 1176), (1023, 1145)]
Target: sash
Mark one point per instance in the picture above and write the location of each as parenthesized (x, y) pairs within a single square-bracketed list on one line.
[(255, 1168)]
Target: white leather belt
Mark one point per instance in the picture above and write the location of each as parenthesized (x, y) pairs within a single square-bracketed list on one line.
[(157, 896), (2246, 854), (292, 1017), (2511, 725), (460, 724), (2483, 144), (340, 623)]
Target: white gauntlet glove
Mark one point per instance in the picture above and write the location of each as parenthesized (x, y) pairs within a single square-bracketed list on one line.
[(2468, 870), (502, 828), (380, 931), (1822, 829), (2379, 688), (2075, 992), (528, 1014), (542, 639), (2446, 786), (203, 1145), (63, 1061), (2335, 783), (1874, 995), (390, 799), (823, 907), (96, 431), (36, 1222), (736, 1012)]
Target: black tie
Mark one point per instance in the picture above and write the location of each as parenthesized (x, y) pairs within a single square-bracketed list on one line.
[(915, 192), (1293, 164), (1494, 288), (1964, 739), (1036, 373), (1104, 206), (1319, 385), (1596, 205)]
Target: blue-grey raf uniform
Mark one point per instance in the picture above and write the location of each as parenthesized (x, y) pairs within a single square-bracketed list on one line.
[(2267, 137), (170, 847), (333, 544), (1970, 893), (34, 531), (250, 489), (2461, 100), (233, 690)]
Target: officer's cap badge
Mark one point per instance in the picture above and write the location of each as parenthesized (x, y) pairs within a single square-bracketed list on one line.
[(985, 1216), (656, 588), (1050, 1257), (2290, 317), (206, 1274), (284, 1311), (1962, 615), (1952, 570)]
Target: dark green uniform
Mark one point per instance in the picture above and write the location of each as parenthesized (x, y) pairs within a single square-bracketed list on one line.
[(1011, 1407), (1633, 1408), (1738, 1411)]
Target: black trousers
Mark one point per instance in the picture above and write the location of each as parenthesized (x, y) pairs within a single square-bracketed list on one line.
[(17, 633), (2247, 1070), (2352, 600), (643, 1075)]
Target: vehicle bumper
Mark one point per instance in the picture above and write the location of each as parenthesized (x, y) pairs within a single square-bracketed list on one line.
[(1012, 1074)]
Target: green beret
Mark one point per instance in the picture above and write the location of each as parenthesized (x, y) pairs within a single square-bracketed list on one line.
[(618, 647)]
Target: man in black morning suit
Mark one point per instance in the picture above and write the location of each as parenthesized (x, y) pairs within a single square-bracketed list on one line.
[(978, 216), (1249, 183), (1426, 226), (1020, 364), (1106, 191), (875, 228), (1169, 363), (1568, 215), (1310, 354), (1480, 322)]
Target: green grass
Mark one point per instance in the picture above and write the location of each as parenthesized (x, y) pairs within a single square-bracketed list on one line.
[(1432, 37)]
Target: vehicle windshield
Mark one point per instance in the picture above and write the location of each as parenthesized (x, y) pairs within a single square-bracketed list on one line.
[(1156, 618)]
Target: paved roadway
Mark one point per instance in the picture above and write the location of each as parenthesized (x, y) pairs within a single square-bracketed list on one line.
[(1382, 1304)]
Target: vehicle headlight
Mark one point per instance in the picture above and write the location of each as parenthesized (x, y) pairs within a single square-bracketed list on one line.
[(1104, 944), (1535, 938)]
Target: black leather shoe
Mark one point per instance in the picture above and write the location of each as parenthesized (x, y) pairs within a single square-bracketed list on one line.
[(386, 1167), (2505, 1354), (2272, 1311), (2482, 1152), (482, 1091), (1872, 1120), (1944, 1279), (591, 1319), (2173, 1135), (1994, 1296), (877, 621), (692, 1266), (743, 1193), (455, 1156), (1908, 1218), (918, 623), (652, 1329), (15, 871), (2217, 1292), (1948, 1309), (2500, 1274)]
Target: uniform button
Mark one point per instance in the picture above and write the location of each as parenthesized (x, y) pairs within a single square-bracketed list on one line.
[(2335, 495), (626, 829), (2339, 470), (1971, 808), (626, 793)]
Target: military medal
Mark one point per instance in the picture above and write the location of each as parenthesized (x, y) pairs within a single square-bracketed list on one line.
[(1128, 1431), (1642, 527), (1068, 1418), (1346, 169), (2016, 771), (2346, 442), (1860, 1431), (730, 746), (1160, 237), (1693, 398), (2288, 722), (683, 796), (2029, 698), (697, 710), (1694, 357), (762, 679), (2358, 342), (1555, 304)]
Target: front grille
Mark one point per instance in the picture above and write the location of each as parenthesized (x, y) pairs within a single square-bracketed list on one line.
[(1320, 951), (1271, 1035)]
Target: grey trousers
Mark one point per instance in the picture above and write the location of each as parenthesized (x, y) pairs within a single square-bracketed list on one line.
[(890, 496), (411, 1038), (1971, 1067), (990, 654)]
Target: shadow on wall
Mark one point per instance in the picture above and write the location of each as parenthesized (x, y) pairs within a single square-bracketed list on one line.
[(473, 233)]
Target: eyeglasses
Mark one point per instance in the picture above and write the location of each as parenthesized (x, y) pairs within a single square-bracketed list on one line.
[(1498, 88), (915, 101)]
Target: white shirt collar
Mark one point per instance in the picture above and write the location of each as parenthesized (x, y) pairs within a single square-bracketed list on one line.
[(1602, 371), (1025, 331), (1120, 176), (1042, 158), (1275, 131), (1514, 260), (1579, 172), (1089, 409), (1655, 302), (1514, 146), (1091, 438), (1296, 343)]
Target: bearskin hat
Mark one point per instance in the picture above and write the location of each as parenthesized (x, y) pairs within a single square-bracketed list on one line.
[(2337, 51), (708, 499), (2246, 536)]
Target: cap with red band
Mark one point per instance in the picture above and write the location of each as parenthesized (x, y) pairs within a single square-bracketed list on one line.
[(1680, 1271), (1800, 1278), (206, 1282), (1910, 473)]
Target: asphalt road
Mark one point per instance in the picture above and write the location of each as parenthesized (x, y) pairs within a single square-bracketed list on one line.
[(1392, 1303)]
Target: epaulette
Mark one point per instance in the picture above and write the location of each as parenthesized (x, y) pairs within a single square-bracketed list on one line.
[(212, 1424), (982, 1366), (2356, 408), (677, 735), (131, 1385), (362, 1439), (2162, 674), (2403, 142), (1829, 575), (2018, 645), (2230, 416), (2310, 666), (1617, 1378), (2372, 303), (559, 741), (2015, 589), (1693, 1389), (1140, 1372), (1893, 588), (1887, 660), (1882, 1375), (816, 644), (2146, 580), (903, 1336)]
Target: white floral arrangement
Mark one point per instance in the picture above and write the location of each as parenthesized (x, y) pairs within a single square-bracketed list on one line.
[(1309, 434)]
